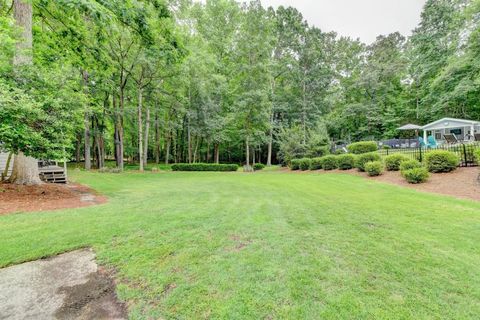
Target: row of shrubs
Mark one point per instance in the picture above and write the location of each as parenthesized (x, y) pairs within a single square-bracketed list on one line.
[(373, 165), (204, 167)]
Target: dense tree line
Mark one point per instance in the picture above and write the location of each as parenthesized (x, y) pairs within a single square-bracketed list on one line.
[(220, 81)]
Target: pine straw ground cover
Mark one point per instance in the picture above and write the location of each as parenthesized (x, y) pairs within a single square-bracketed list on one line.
[(268, 245)]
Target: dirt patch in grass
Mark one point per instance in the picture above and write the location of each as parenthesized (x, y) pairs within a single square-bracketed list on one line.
[(19, 198)]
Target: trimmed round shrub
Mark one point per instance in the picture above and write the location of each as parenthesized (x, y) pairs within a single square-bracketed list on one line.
[(410, 164), (346, 161), (416, 175), (374, 168), (316, 164), (441, 161), (258, 166), (366, 157), (329, 162), (204, 167), (295, 164), (305, 164), (393, 161), (362, 147)]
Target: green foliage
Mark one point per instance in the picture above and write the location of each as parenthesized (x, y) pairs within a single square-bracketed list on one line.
[(416, 175), (346, 161), (393, 161), (362, 147), (374, 168), (295, 164), (362, 159), (477, 156), (204, 167), (258, 166), (305, 164), (316, 164), (441, 161), (329, 162), (410, 164)]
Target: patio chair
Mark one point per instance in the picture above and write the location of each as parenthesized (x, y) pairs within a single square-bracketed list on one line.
[(432, 143), (451, 138), (476, 136), (421, 142)]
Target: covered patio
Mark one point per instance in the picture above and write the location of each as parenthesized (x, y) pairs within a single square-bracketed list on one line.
[(450, 130)]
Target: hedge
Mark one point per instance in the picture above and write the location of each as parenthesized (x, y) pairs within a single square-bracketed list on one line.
[(441, 161), (362, 147), (346, 161), (204, 167), (295, 164), (258, 166), (329, 162), (316, 164), (477, 155), (366, 157), (393, 161), (374, 168), (305, 164), (410, 164), (416, 175)]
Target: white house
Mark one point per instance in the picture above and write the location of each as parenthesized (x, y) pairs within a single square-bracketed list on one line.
[(464, 130)]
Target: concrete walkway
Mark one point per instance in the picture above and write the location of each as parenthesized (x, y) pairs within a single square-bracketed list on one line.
[(68, 286)]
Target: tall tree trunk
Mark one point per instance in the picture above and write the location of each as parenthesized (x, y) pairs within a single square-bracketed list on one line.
[(78, 148), (197, 142), (217, 153), (121, 133), (140, 129), (157, 138), (86, 123), (189, 142), (167, 147), (208, 152), (25, 169), (247, 151), (147, 131)]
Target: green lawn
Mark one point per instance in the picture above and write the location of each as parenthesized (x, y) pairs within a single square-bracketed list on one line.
[(268, 245)]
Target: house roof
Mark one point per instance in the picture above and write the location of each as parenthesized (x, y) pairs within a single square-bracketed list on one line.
[(410, 127), (450, 123)]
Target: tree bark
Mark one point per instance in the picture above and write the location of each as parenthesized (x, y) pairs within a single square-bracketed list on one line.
[(167, 148), (189, 141), (86, 123), (25, 169), (147, 129), (140, 129), (157, 138), (217, 153), (247, 151)]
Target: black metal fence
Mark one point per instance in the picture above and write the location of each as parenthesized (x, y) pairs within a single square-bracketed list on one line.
[(466, 152)]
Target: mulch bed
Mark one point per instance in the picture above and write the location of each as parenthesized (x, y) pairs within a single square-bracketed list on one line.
[(19, 198), (462, 183)]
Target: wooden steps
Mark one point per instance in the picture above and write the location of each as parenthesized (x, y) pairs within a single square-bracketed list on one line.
[(53, 174)]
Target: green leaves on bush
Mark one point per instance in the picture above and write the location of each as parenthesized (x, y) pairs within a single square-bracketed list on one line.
[(295, 164), (316, 164), (374, 168), (362, 147), (441, 161), (410, 164), (416, 175), (258, 166), (329, 162), (477, 156), (393, 161), (204, 167), (346, 161), (305, 164), (366, 157)]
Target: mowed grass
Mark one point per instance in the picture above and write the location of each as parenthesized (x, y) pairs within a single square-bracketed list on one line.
[(268, 245)]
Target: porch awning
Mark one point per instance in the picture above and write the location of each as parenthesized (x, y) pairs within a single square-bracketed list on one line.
[(447, 123), (410, 127)]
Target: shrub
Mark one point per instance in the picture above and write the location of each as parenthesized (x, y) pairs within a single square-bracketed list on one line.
[(441, 161), (258, 166), (409, 164), (316, 164), (339, 151), (329, 162), (204, 167), (366, 157), (295, 164), (362, 147), (109, 170), (374, 168), (346, 161), (477, 155), (392, 162), (305, 164), (416, 175)]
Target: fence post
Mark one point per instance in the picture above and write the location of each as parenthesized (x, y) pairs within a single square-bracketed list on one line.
[(465, 162), (421, 156)]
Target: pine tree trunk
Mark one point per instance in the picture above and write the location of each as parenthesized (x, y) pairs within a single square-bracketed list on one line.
[(247, 151), (86, 122), (25, 169), (217, 153), (167, 148), (157, 139), (147, 129), (189, 141), (140, 129)]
